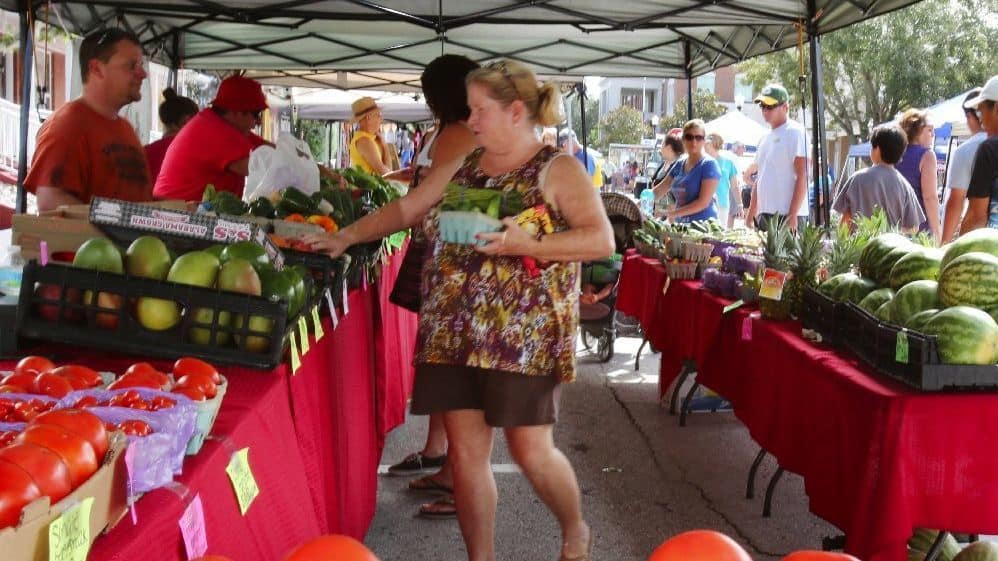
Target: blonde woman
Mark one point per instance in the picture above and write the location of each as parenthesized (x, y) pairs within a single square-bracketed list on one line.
[(728, 181), (495, 343), (918, 166), (693, 179)]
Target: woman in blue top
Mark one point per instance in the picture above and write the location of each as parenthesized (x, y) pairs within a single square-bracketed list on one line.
[(692, 180), (918, 166)]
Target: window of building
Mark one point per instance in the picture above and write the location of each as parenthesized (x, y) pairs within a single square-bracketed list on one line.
[(743, 88), (706, 82), (631, 98), (649, 101)]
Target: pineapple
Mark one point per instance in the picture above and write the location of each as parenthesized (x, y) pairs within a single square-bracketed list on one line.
[(775, 246), (849, 243), (805, 259)]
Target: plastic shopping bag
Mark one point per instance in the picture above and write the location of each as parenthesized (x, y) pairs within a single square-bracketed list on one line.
[(290, 164)]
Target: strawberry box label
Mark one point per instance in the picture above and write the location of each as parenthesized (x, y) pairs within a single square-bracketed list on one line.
[(772, 284)]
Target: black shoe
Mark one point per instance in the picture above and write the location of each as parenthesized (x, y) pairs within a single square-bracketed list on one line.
[(417, 463)]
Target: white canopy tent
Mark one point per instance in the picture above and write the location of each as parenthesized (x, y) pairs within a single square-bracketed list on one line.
[(318, 41), (334, 105), (734, 126)]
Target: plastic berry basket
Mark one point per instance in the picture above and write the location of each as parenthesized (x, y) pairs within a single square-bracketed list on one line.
[(461, 226)]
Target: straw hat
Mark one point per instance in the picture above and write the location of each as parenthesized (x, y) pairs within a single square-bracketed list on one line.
[(362, 107)]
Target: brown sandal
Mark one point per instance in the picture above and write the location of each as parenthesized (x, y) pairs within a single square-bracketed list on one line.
[(427, 483), (441, 508)]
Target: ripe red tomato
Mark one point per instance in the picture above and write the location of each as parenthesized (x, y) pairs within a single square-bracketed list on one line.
[(200, 381), (150, 372), (24, 380), (80, 377), (161, 402), (195, 394), (78, 454), (136, 380), (86, 401), (53, 385), (6, 438), (46, 468), (8, 388), (33, 364), (17, 490), (140, 405), (189, 365), (24, 412), (81, 423), (135, 427)]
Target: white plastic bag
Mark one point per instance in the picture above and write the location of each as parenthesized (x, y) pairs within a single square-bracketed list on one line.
[(288, 165)]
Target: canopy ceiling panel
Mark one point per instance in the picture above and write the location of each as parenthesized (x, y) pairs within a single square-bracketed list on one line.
[(332, 43)]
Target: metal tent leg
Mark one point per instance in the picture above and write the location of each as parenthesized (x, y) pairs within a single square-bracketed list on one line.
[(686, 403), (750, 486), (684, 373), (637, 357), (767, 506), (936, 546)]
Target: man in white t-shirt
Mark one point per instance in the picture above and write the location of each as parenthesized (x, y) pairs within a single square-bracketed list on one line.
[(781, 162), (961, 162)]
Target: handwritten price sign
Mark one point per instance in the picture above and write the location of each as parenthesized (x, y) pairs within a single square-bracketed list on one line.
[(69, 535), (242, 479)]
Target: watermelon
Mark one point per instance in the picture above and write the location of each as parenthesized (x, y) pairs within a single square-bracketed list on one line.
[(994, 314), (883, 313), (913, 298), (917, 322), (854, 289), (876, 250), (920, 264), (875, 299), (829, 287), (970, 280), (979, 550), (882, 270), (964, 335), (982, 239)]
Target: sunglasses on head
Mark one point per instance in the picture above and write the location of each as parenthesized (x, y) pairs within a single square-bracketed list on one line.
[(692, 137), (500, 67)]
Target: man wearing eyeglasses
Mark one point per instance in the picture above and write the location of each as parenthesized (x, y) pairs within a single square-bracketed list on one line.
[(983, 190), (85, 149), (214, 147), (781, 162)]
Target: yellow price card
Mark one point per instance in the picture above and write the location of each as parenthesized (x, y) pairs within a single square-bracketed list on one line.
[(242, 479), (69, 535)]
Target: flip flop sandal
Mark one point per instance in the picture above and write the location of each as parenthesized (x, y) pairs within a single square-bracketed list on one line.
[(439, 509), (427, 483)]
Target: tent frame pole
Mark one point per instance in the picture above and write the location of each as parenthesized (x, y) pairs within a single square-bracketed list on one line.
[(27, 72), (689, 81), (822, 213)]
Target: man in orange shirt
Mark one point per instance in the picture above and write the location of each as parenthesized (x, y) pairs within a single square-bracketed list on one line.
[(85, 149)]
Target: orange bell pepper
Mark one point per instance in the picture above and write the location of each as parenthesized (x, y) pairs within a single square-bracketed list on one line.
[(295, 218), (327, 223)]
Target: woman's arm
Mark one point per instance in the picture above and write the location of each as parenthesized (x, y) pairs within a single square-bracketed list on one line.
[(589, 236), (451, 150), (369, 151), (663, 187), (929, 195), (707, 189)]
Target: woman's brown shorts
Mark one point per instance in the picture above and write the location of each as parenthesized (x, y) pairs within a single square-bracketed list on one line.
[(508, 400)]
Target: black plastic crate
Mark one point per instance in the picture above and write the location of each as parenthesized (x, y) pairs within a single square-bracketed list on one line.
[(72, 322), (923, 369), (858, 331), (821, 314), (325, 269)]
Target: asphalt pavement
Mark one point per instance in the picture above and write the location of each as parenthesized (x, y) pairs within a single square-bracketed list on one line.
[(643, 479)]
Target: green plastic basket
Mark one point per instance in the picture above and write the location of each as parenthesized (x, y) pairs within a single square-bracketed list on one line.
[(207, 412), (461, 227)]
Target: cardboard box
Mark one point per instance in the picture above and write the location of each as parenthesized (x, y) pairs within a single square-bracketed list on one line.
[(108, 487), (63, 229)]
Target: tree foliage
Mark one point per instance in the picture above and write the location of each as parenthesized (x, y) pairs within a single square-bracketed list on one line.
[(705, 106), (592, 119), (623, 125), (873, 70)]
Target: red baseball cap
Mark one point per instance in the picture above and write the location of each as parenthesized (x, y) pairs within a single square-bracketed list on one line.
[(238, 93)]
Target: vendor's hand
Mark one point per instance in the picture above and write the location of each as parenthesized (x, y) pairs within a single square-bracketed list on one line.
[(750, 220), (333, 244), (587, 299), (792, 223), (513, 240)]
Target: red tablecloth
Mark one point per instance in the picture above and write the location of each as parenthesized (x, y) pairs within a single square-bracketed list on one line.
[(673, 319), (314, 438)]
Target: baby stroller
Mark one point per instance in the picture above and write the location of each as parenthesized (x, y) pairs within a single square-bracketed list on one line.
[(599, 321)]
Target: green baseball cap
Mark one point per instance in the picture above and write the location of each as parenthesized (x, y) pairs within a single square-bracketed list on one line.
[(773, 94)]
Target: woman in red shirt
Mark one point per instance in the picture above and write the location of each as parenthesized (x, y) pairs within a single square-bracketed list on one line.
[(214, 147), (174, 112)]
